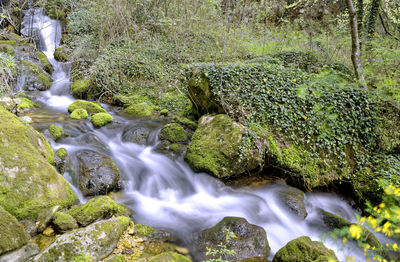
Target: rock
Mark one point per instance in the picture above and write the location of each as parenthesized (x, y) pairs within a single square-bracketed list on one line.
[(22, 254), (45, 217), (60, 159), (56, 132), (24, 102), (97, 173), (96, 241), (45, 63), (173, 133), (9, 104), (29, 226), (140, 110), (80, 88), (29, 183), (101, 119), (293, 199), (169, 256), (186, 122), (236, 234), (136, 134), (116, 258), (303, 249), (215, 148), (35, 77), (79, 114), (43, 241), (177, 148), (63, 222), (90, 107), (49, 232), (60, 54), (164, 112), (101, 207), (12, 234)]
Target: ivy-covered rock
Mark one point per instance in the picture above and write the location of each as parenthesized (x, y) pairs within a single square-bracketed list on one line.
[(35, 77), (140, 110), (94, 242), (235, 234), (101, 119), (45, 62), (63, 222), (173, 133), (303, 249), (215, 148), (97, 173), (79, 113), (80, 88), (101, 207), (90, 107), (12, 234), (29, 183), (56, 132)]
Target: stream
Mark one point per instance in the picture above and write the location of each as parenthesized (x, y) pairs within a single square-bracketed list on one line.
[(164, 192)]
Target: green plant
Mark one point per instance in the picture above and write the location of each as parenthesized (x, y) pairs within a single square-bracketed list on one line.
[(8, 72), (218, 254)]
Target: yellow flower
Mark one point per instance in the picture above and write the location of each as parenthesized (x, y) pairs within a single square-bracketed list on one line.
[(344, 241), (395, 247), (386, 227), (355, 231), (382, 205), (372, 221)]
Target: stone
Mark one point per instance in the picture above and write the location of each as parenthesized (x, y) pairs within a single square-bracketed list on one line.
[(63, 222), (29, 226), (140, 110), (22, 254), (45, 217), (90, 107), (101, 119), (97, 173), (293, 200), (35, 77), (45, 63), (49, 232), (136, 134), (12, 234), (79, 114), (60, 159), (80, 88), (173, 133), (169, 256), (56, 132)]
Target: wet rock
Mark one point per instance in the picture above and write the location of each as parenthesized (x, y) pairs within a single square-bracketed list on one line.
[(97, 173), (236, 234), (293, 199), (173, 133), (215, 148), (56, 132), (63, 222), (80, 88), (29, 183), (60, 54), (60, 159), (24, 103), (101, 119), (79, 114), (22, 254), (101, 207), (35, 77), (96, 241), (136, 134), (12, 234), (90, 107), (45, 63), (303, 249), (45, 218)]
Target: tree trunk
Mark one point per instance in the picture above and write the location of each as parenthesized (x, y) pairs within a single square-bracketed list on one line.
[(360, 15), (372, 18), (355, 43)]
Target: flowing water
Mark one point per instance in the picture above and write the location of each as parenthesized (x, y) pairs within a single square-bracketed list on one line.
[(165, 192)]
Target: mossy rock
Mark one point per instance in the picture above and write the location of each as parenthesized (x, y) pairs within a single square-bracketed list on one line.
[(12, 234), (116, 258), (303, 249), (101, 207), (60, 54), (37, 78), (8, 42), (45, 62), (101, 119), (164, 112), (43, 241), (215, 148), (90, 107), (29, 183), (56, 132), (4, 48), (62, 153), (96, 241), (144, 230), (177, 148), (173, 133), (169, 256), (63, 222), (24, 102), (79, 113), (186, 122), (141, 110), (80, 88)]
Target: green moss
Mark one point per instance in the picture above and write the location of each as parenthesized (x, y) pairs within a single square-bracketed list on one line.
[(101, 207), (116, 258), (43, 241), (101, 119), (45, 62), (90, 107), (79, 114), (164, 112), (35, 70), (60, 54), (12, 234), (176, 148), (7, 49), (8, 42), (63, 222), (173, 133), (26, 103), (185, 122), (62, 153), (56, 132), (169, 256), (30, 186), (139, 110), (80, 88), (144, 230)]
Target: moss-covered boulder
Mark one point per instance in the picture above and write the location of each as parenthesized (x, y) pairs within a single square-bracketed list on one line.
[(101, 207), (56, 132), (101, 119), (176, 148), (173, 133), (90, 107), (169, 256), (186, 122), (97, 173), (293, 199), (35, 77), (79, 113), (45, 62), (63, 222), (140, 110), (303, 249), (24, 102), (21, 255), (80, 88), (28, 181), (12, 234), (236, 234), (215, 148), (60, 54), (60, 159), (45, 217), (94, 242)]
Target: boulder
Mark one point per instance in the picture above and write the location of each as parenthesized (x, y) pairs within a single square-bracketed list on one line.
[(12, 234), (79, 114), (236, 234), (29, 183), (98, 174), (140, 110), (215, 148), (90, 107), (173, 133), (101, 119), (63, 222), (45, 63), (80, 88), (136, 134), (169, 256), (94, 242), (56, 132), (303, 249), (22, 254), (101, 207), (35, 77), (60, 159), (45, 218), (293, 199)]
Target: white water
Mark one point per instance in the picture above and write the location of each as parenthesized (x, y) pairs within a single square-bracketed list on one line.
[(166, 193)]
